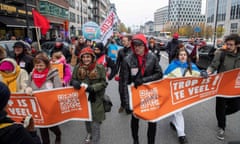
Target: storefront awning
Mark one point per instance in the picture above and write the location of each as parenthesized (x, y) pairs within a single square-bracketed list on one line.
[(15, 22)]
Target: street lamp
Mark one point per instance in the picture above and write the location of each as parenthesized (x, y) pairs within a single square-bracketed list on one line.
[(215, 25)]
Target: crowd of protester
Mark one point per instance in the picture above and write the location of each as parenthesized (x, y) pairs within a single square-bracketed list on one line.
[(126, 59)]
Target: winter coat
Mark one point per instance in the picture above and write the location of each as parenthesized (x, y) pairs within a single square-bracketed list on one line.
[(99, 84), (52, 81), (112, 51), (121, 54), (107, 62), (22, 78), (156, 51), (24, 61), (177, 69), (230, 61), (152, 70), (12, 133), (172, 49)]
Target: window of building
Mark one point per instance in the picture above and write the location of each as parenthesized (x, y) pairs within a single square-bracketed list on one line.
[(234, 27)]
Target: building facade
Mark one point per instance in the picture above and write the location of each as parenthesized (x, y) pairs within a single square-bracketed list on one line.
[(160, 19), (56, 11), (16, 19), (228, 15), (185, 12)]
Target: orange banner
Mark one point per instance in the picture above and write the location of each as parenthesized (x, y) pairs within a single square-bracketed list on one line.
[(50, 107), (157, 100), (60, 68)]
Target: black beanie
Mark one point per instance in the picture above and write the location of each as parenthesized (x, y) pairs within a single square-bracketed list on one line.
[(4, 95), (100, 46)]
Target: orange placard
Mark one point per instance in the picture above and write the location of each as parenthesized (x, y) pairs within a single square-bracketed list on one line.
[(157, 100), (60, 69), (50, 107)]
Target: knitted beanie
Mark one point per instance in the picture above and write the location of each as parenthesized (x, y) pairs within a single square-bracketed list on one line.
[(6, 66), (4, 95)]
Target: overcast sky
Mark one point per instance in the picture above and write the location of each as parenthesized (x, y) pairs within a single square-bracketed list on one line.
[(137, 12)]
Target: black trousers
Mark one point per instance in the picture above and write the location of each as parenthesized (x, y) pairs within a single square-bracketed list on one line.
[(121, 93), (45, 134), (151, 133), (224, 107)]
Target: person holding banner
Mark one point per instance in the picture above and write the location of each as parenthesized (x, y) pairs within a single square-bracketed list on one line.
[(44, 77), (225, 60), (11, 132), (139, 67), (181, 66), (91, 75)]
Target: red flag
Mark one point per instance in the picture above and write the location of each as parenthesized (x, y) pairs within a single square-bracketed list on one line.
[(40, 21)]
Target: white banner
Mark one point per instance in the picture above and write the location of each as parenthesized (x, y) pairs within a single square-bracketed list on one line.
[(107, 26)]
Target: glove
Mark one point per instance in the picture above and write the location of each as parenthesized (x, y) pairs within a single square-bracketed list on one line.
[(90, 89), (28, 90), (76, 84), (138, 82), (203, 74), (91, 96)]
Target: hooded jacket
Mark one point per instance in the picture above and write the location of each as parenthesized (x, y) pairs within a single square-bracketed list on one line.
[(152, 71), (17, 79)]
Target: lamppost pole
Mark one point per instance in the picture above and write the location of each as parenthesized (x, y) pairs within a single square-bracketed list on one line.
[(178, 17), (215, 25), (81, 15)]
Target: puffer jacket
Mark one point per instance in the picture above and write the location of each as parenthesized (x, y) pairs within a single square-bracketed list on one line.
[(152, 71)]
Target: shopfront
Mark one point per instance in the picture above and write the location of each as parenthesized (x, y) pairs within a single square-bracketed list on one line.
[(15, 21)]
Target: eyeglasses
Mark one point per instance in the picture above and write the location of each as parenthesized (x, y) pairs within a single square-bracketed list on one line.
[(230, 44)]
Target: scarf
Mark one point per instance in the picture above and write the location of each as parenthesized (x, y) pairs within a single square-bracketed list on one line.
[(141, 63), (87, 71), (39, 77), (10, 79)]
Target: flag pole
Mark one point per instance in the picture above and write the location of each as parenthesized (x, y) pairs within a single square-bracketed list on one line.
[(38, 41)]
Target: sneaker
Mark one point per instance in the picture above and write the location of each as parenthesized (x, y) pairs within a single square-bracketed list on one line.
[(182, 140), (220, 134), (120, 110), (172, 126), (88, 138)]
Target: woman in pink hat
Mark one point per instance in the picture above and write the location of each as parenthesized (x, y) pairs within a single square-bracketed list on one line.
[(12, 75)]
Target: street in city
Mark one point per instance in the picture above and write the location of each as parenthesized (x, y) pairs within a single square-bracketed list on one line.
[(200, 125)]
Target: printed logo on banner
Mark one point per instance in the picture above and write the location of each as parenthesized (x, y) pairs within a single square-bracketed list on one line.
[(149, 99), (24, 106), (189, 88), (237, 83), (69, 102)]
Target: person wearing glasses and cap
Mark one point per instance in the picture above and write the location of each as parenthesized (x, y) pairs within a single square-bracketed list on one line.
[(140, 67)]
